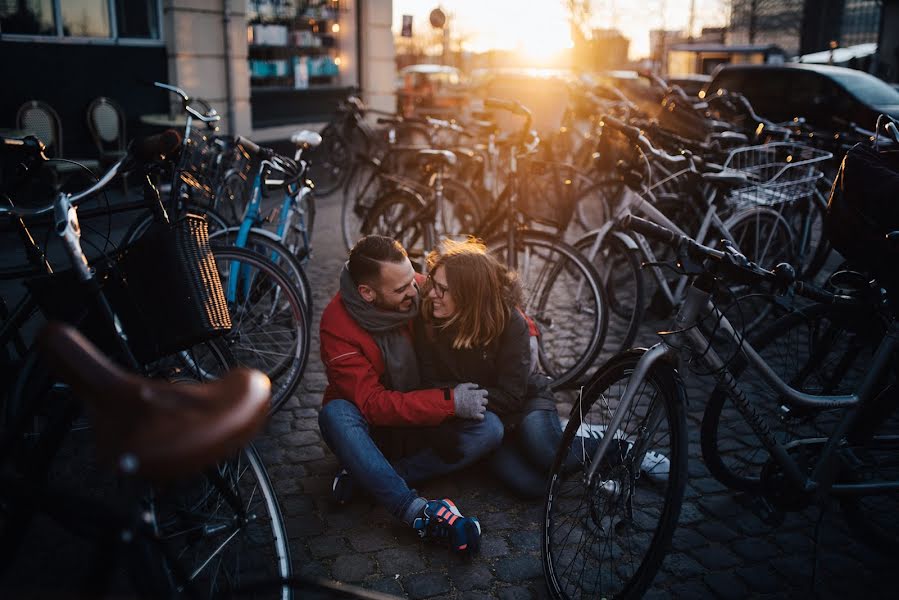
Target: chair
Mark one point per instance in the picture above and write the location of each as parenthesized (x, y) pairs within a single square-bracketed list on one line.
[(106, 122), (40, 119)]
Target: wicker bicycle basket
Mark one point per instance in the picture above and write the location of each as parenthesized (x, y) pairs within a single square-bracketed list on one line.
[(548, 192), (165, 289), (211, 169), (778, 172)]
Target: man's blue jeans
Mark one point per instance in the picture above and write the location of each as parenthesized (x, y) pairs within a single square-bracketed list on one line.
[(349, 436)]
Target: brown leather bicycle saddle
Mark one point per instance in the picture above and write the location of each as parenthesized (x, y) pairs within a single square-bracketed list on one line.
[(172, 430)]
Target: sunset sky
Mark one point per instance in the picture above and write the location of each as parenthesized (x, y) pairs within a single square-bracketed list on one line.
[(540, 28)]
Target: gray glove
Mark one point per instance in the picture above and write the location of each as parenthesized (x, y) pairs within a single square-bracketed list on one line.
[(471, 401)]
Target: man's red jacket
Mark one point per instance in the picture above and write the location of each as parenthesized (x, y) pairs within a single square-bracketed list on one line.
[(354, 366)]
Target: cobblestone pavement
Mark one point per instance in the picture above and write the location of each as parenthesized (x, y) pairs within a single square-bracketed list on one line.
[(721, 547)]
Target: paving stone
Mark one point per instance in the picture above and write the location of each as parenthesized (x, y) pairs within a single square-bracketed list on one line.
[(754, 550), (515, 592), (305, 413), (715, 558), (311, 400), (295, 504), (518, 568), (681, 566), (761, 579), (716, 531), (493, 545), (371, 540), (325, 546), (721, 507), (689, 514), (400, 561), (304, 453), (749, 525), (526, 541), (309, 423), (279, 427), (726, 586), (689, 589), (388, 585), (686, 539), (352, 567), (708, 485), (475, 596), (314, 569), (426, 585), (471, 576), (304, 526), (300, 438)]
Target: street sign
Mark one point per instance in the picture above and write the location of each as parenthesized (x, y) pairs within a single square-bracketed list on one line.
[(438, 18), (407, 26)]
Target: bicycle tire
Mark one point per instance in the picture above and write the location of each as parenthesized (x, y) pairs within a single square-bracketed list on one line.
[(363, 187), (872, 456), (267, 244), (256, 545), (403, 216), (731, 452), (564, 296), (330, 163), (620, 270), (270, 331), (578, 519), (460, 212), (215, 222)]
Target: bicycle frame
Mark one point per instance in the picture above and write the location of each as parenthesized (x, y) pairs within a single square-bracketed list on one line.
[(825, 469)]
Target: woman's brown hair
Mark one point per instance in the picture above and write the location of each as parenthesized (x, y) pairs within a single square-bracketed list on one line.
[(484, 290)]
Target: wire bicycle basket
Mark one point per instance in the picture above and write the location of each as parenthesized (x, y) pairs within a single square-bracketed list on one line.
[(778, 172), (212, 170)]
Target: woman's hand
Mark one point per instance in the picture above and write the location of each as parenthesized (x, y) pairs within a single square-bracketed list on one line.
[(470, 401)]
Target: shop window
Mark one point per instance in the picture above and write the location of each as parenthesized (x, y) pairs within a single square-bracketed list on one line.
[(110, 20), (85, 18), (28, 17), (293, 44), (135, 19)]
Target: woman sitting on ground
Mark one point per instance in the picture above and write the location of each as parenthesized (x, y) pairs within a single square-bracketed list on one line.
[(472, 330)]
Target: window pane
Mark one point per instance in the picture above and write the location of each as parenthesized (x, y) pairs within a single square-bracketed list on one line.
[(137, 19), (33, 17), (85, 18)]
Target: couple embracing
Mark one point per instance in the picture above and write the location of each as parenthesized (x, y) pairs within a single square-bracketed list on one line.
[(427, 375)]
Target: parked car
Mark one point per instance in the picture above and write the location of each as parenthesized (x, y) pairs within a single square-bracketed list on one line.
[(826, 96), (435, 90)]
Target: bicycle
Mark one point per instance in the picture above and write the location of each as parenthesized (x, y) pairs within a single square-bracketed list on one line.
[(561, 289), (234, 500), (610, 518)]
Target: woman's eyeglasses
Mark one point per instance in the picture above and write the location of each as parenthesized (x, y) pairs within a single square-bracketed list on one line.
[(439, 289)]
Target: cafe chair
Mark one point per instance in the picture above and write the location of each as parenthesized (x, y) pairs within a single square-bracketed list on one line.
[(106, 122), (39, 119)]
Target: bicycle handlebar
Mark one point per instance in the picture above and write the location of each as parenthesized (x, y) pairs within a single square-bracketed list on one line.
[(516, 108), (636, 135), (211, 117), (142, 150)]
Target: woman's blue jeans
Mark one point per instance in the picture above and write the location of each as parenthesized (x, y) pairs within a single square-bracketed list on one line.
[(349, 436)]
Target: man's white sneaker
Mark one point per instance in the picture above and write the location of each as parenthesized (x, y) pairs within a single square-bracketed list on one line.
[(654, 465)]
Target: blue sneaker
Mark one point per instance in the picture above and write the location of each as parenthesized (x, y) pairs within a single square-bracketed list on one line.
[(441, 519)]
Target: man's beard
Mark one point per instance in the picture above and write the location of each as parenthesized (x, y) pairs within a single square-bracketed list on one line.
[(403, 306)]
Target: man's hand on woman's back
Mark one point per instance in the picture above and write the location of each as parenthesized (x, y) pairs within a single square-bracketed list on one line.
[(470, 401)]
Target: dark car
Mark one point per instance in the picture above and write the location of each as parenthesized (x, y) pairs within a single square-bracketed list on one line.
[(825, 96)]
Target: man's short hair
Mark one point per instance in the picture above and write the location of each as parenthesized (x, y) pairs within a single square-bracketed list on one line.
[(367, 255)]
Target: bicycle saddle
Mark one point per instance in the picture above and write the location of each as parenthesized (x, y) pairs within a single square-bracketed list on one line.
[(306, 138), (437, 156), (725, 178), (161, 431)]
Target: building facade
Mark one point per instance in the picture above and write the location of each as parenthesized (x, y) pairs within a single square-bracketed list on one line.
[(267, 66)]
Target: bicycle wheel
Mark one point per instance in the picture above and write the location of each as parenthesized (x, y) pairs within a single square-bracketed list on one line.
[(872, 457), (593, 204), (806, 216), (460, 212), (361, 191), (226, 529), (765, 238), (216, 222), (563, 294), (266, 244), (820, 349), (607, 538), (402, 216), (330, 163), (618, 266), (270, 332)]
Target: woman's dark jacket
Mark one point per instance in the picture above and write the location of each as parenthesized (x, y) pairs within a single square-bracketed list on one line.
[(502, 367)]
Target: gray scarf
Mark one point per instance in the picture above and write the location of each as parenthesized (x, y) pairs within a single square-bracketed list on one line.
[(386, 327)]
